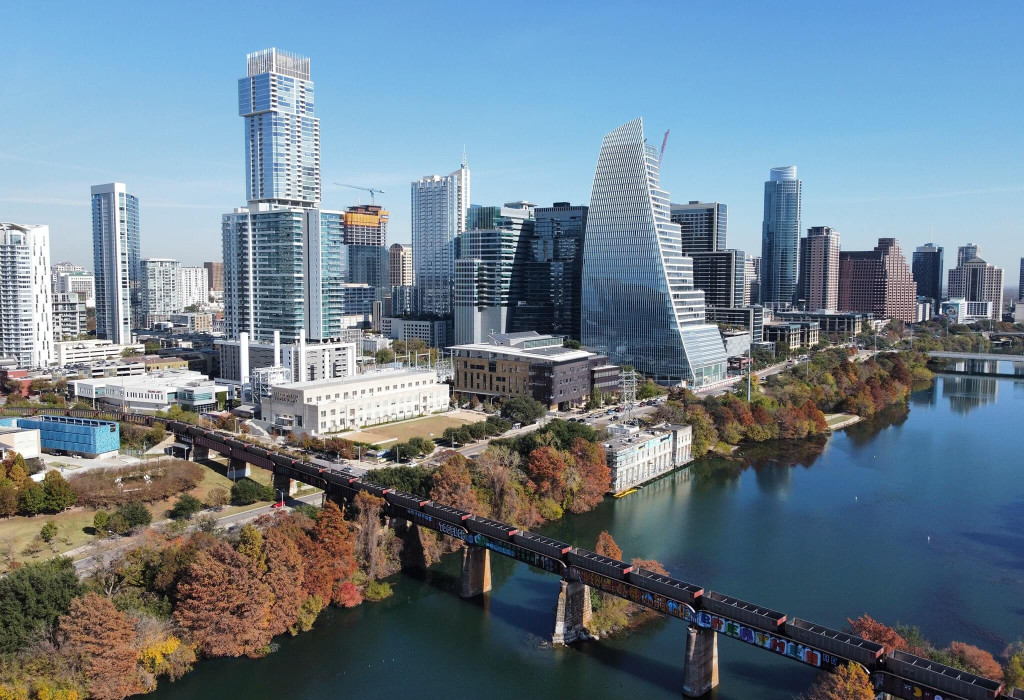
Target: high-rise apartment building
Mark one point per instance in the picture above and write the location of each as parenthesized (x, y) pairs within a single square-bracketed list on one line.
[(818, 285), (755, 282), (365, 238), (366, 224), (439, 210), (26, 301), (117, 255), (70, 318), (704, 226), (160, 291), (483, 271), (780, 237), (282, 134), (639, 303), (721, 275), (927, 270), (82, 283), (58, 269), (749, 281), (400, 265), (973, 279), (547, 280), (878, 282), (215, 275), (193, 287), (1020, 283)]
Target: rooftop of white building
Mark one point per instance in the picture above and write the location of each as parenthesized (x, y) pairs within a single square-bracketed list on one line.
[(358, 378)]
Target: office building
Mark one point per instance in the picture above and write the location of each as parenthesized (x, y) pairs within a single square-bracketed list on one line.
[(637, 456), (333, 405), (703, 226), (878, 282), (1020, 282), (531, 364), (974, 279), (959, 310), (160, 295), (75, 282), (927, 270), (487, 254), (755, 280), (818, 283), (74, 352), (368, 264), (439, 211), (400, 265), (749, 318), (117, 257), (721, 275), (26, 297), (793, 334), (69, 316), (192, 322), (154, 391), (193, 287), (841, 324), (749, 280), (366, 224), (780, 237), (215, 275), (547, 280), (403, 302), (639, 304), (282, 133), (435, 332), (967, 252)]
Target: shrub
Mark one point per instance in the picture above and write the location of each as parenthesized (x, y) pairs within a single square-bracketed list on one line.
[(377, 591), (186, 506), (246, 492), (101, 521), (218, 497), (307, 509), (549, 509), (135, 514), (118, 524), (48, 531)]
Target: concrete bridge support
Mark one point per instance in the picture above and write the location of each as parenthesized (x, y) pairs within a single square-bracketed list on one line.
[(237, 468), (700, 670), (200, 453), (476, 571), (282, 484), (572, 614)]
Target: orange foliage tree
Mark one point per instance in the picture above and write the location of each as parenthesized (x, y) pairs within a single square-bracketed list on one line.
[(849, 682), (330, 558), (284, 576), (102, 639), (606, 546), (592, 465), (874, 631), (453, 484), (546, 469), (977, 660)]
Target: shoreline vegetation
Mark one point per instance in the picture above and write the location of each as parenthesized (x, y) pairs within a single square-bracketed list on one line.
[(177, 597)]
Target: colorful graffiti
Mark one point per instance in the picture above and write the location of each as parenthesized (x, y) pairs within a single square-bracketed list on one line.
[(730, 628), (520, 554)]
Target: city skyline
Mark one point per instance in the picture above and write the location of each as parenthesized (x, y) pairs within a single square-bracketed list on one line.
[(871, 172)]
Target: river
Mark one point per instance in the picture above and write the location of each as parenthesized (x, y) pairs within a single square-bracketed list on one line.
[(916, 516)]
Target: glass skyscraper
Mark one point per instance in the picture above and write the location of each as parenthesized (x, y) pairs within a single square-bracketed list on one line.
[(780, 237), (927, 271), (439, 211), (117, 258), (282, 135), (639, 303), (704, 225)]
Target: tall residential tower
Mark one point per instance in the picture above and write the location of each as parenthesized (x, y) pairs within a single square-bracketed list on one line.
[(26, 304), (780, 237), (818, 287), (117, 258), (440, 207)]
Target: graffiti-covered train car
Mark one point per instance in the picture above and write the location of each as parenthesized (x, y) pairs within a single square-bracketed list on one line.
[(541, 545), (841, 644), (742, 611), (665, 585), (491, 528), (592, 561), (941, 677)]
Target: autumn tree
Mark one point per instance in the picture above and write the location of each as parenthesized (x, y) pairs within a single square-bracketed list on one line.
[(874, 631), (606, 546), (250, 546), (977, 661), (592, 465), (102, 640), (370, 533), (499, 469), (223, 605), (284, 576), (849, 682), (546, 468), (58, 492), (1013, 671), (453, 484), (330, 558)]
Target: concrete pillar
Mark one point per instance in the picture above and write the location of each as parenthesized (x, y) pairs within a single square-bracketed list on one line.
[(200, 453), (282, 484), (700, 670), (237, 468), (476, 571), (572, 614)]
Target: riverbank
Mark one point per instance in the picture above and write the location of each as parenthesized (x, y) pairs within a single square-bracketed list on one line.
[(838, 421)]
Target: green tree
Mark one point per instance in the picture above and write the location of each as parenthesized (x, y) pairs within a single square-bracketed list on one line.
[(135, 514), (1014, 669), (571, 344), (59, 494), (32, 598), (384, 356), (8, 498), (118, 524), (246, 492), (523, 409), (48, 531), (100, 521), (186, 506), (31, 499), (152, 347), (250, 546)]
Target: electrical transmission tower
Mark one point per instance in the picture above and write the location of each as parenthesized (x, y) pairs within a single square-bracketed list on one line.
[(627, 385)]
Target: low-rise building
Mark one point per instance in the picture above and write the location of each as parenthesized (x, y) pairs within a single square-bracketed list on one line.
[(308, 361), (128, 367), (748, 317), (155, 391), (24, 441), (159, 363), (636, 456), (331, 405), (193, 322), (74, 436), (436, 333), (736, 342), (845, 323), (529, 364), (373, 343), (792, 335), (75, 352), (964, 311)]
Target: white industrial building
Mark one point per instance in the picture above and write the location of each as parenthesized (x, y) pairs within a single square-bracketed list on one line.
[(331, 405), (308, 361), (636, 455), (155, 391)]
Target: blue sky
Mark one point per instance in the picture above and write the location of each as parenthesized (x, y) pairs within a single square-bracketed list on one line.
[(905, 118)]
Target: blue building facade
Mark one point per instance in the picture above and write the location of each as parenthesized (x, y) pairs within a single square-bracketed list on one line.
[(80, 436), (780, 237)]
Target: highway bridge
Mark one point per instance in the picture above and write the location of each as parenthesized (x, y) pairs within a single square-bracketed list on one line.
[(988, 356), (707, 614)]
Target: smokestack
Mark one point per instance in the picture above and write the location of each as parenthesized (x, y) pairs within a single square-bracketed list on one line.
[(302, 355), (243, 358), (277, 348)]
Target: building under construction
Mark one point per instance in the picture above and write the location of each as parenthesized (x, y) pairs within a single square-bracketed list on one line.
[(366, 224)]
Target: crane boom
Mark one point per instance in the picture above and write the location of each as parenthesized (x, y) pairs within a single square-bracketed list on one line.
[(371, 190), (664, 142)]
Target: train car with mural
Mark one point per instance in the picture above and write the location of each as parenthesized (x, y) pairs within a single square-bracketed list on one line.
[(592, 561), (941, 677), (666, 585), (494, 529), (841, 644), (742, 611), (541, 545)]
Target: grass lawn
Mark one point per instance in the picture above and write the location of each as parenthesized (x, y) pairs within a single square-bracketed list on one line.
[(416, 427)]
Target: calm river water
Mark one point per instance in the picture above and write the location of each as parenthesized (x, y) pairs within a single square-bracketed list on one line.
[(916, 517)]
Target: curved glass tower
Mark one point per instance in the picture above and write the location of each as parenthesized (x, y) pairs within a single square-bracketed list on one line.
[(780, 237), (639, 304)]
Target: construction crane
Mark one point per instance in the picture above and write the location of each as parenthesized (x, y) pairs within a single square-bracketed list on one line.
[(371, 190), (664, 142)]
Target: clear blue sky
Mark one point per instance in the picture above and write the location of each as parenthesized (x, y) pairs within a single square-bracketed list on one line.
[(905, 118)]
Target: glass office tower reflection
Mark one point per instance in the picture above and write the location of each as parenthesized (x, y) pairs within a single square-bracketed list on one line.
[(780, 237), (639, 304)]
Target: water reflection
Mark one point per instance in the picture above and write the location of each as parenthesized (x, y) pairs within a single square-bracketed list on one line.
[(966, 393)]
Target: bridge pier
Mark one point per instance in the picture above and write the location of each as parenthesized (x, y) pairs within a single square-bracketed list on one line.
[(700, 669), (200, 453), (476, 571), (572, 614), (237, 468), (282, 484)]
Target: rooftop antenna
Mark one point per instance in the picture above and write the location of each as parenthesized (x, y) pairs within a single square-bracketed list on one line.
[(465, 163)]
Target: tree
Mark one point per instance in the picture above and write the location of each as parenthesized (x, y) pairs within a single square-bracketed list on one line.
[(874, 631), (250, 546), (218, 498), (453, 484), (102, 639), (31, 499), (330, 561), (571, 344), (48, 531), (284, 576), (8, 498), (704, 434), (33, 597), (135, 514), (499, 469), (523, 409), (222, 604), (58, 492), (17, 470), (370, 533), (592, 464), (606, 546), (975, 660), (152, 347), (100, 521), (1013, 671), (246, 491), (186, 506), (546, 468), (849, 682), (384, 356)]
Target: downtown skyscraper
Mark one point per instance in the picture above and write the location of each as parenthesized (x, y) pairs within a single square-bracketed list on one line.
[(818, 287), (927, 270), (117, 260), (440, 206), (780, 237), (639, 303)]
